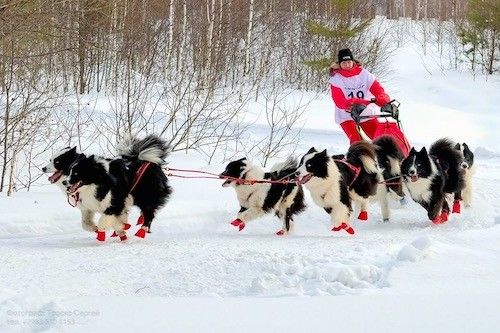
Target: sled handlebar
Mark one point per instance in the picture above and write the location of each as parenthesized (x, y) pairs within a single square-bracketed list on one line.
[(390, 110)]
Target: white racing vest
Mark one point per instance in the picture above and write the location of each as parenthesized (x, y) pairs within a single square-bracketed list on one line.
[(357, 86)]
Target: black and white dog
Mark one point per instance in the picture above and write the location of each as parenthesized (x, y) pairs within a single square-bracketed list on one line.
[(469, 169), (60, 165), (334, 182), (389, 158), (111, 186), (430, 177), (257, 199)]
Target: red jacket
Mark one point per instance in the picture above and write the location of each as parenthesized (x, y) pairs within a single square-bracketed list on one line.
[(381, 98)]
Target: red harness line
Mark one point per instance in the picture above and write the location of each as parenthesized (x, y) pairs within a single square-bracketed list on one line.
[(355, 169), (240, 181), (139, 174)]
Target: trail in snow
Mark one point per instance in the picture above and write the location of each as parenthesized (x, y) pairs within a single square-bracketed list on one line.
[(193, 251)]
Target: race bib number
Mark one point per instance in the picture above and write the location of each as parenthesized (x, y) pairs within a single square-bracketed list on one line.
[(359, 94)]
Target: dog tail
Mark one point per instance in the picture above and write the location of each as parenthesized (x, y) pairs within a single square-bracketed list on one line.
[(444, 147), (286, 168), (152, 149), (362, 153), (387, 145)]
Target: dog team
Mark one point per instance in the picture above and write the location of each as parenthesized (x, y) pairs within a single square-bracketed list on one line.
[(436, 179)]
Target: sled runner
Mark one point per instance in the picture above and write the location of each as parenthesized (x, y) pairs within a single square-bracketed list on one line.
[(386, 127)]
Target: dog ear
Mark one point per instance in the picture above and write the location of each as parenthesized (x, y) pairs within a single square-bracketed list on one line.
[(412, 151), (73, 149), (323, 152), (465, 146), (338, 157), (423, 151), (457, 146), (241, 159), (312, 150)]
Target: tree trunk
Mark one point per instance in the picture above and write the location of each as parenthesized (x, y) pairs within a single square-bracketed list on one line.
[(81, 48), (492, 51), (246, 69), (7, 86)]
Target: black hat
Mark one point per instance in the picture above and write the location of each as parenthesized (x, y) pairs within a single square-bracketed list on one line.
[(345, 54)]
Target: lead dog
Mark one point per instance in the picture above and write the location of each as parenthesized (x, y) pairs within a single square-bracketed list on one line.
[(110, 187), (431, 177)]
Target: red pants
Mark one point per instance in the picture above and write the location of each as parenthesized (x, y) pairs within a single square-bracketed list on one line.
[(369, 127)]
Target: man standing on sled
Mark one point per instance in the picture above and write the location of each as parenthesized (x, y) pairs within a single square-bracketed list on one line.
[(352, 84)]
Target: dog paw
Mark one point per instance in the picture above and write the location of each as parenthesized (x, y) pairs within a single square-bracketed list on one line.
[(363, 215), (349, 230), (339, 227), (344, 226), (141, 233), (238, 223), (280, 232), (444, 216), (437, 220), (456, 207), (101, 236)]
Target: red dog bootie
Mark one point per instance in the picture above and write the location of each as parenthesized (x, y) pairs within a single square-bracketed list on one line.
[(437, 220), (340, 227), (280, 232), (141, 233), (126, 226), (140, 220), (123, 238), (345, 227), (238, 223), (363, 215), (349, 230), (101, 236), (444, 216), (456, 206)]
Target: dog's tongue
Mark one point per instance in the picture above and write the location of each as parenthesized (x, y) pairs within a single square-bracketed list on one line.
[(55, 177), (414, 178), (306, 178)]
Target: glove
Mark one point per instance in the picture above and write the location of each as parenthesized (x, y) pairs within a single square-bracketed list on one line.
[(382, 99)]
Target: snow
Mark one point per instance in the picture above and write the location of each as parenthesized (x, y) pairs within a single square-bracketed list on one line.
[(195, 272)]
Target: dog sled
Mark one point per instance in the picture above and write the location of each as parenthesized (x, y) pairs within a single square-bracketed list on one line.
[(386, 127)]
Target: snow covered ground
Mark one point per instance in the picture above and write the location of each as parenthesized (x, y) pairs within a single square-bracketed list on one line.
[(195, 272)]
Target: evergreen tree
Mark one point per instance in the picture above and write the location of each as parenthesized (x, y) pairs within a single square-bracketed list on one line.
[(481, 33), (339, 31)]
